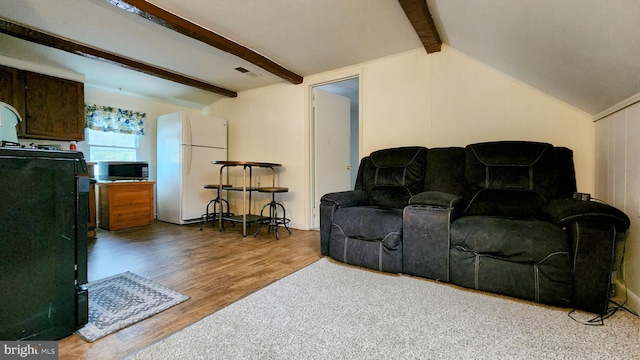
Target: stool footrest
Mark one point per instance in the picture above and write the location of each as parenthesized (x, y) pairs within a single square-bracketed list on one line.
[(272, 221)]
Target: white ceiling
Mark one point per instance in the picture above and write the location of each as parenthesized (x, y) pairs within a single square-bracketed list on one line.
[(582, 52)]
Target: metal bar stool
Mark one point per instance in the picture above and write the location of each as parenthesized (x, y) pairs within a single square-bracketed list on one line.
[(273, 220), (217, 200)]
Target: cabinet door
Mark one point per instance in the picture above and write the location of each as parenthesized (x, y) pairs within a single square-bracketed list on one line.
[(12, 88), (55, 108)]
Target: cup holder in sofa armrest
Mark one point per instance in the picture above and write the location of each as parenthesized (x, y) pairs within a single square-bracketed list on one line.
[(563, 211), (347, 198), (436, 198)]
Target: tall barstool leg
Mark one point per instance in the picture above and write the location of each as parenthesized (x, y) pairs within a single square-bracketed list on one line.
[(217, 201), (285, 221), (273, 216), (208, 217), (262, 220)]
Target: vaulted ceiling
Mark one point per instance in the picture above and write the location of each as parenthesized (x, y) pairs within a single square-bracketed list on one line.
[(582, 52)]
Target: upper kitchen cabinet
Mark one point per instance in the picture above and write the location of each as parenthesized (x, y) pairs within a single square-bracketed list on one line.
[(51, 108), (54, 108), (12, 88)]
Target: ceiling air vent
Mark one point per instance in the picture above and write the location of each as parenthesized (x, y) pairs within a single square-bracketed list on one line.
[(247, 72)]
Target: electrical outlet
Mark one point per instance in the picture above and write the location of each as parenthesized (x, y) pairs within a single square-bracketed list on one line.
[(582, 196)]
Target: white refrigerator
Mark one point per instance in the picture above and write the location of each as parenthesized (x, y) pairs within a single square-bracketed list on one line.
[(187, 143)]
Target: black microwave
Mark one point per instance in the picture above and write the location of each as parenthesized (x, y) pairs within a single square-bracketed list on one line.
[(123, 170)]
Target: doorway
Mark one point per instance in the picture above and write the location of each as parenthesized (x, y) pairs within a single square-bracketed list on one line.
[(335, 150)]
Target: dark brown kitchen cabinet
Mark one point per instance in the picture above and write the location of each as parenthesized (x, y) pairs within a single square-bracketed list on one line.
[(12, 88), (51, 108), (54, 108)]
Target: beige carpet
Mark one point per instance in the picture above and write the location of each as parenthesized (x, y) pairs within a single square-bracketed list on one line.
[(333, 311)]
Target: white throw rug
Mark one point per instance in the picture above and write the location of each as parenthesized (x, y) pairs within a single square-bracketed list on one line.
[(332, 311)]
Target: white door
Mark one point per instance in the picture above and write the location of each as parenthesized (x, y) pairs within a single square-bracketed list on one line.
[(202, 130), (331, 116), (197, 172)]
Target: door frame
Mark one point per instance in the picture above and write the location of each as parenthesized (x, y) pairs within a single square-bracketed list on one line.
[(314, 209)]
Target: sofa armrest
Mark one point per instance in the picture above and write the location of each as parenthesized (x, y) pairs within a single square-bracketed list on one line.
[(436, 198), (593, 245), (331, 202), (425, 233), (346, 198), (592, 229), (565, 211), (426, 240)]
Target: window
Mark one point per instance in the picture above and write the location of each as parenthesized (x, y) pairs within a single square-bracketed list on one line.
[(113, 134), (111, 146)]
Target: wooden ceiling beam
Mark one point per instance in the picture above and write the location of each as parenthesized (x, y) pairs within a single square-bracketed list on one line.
[(173, 22), (418, 14), (46, 39)]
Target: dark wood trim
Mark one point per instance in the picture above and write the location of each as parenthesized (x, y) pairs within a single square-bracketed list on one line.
[(50, 40), (418, 14), (173, 22)]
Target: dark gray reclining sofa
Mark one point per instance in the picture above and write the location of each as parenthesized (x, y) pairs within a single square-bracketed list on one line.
[(495, 216)]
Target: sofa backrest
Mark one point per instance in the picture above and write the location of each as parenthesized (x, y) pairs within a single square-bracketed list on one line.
[(505, 178), (566, 172), (391, 176), (445, 170), (510, 178)]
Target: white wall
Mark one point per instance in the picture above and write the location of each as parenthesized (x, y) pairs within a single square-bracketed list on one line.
[(268, 125), (617, 171), (442, 99)]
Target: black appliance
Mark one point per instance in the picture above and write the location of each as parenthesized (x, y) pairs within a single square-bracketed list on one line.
[(44, 204), (123, 170)]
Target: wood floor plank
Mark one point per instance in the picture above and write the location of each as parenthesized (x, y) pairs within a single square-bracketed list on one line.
[(213, 268)]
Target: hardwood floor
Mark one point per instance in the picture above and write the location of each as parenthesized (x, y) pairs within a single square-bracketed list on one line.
[(214, 268)]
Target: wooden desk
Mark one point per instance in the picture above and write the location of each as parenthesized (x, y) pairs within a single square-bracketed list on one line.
[(126, 204), (246, 217)]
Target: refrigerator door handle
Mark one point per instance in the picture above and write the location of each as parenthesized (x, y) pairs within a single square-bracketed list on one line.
[(188, 156), (189, 150), (188, 129)]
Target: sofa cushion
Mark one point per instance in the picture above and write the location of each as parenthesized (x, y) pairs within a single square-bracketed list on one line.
[(525, 241), (528, 259), (507, 203), (370, 223), (515, 166), (392, 176)]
